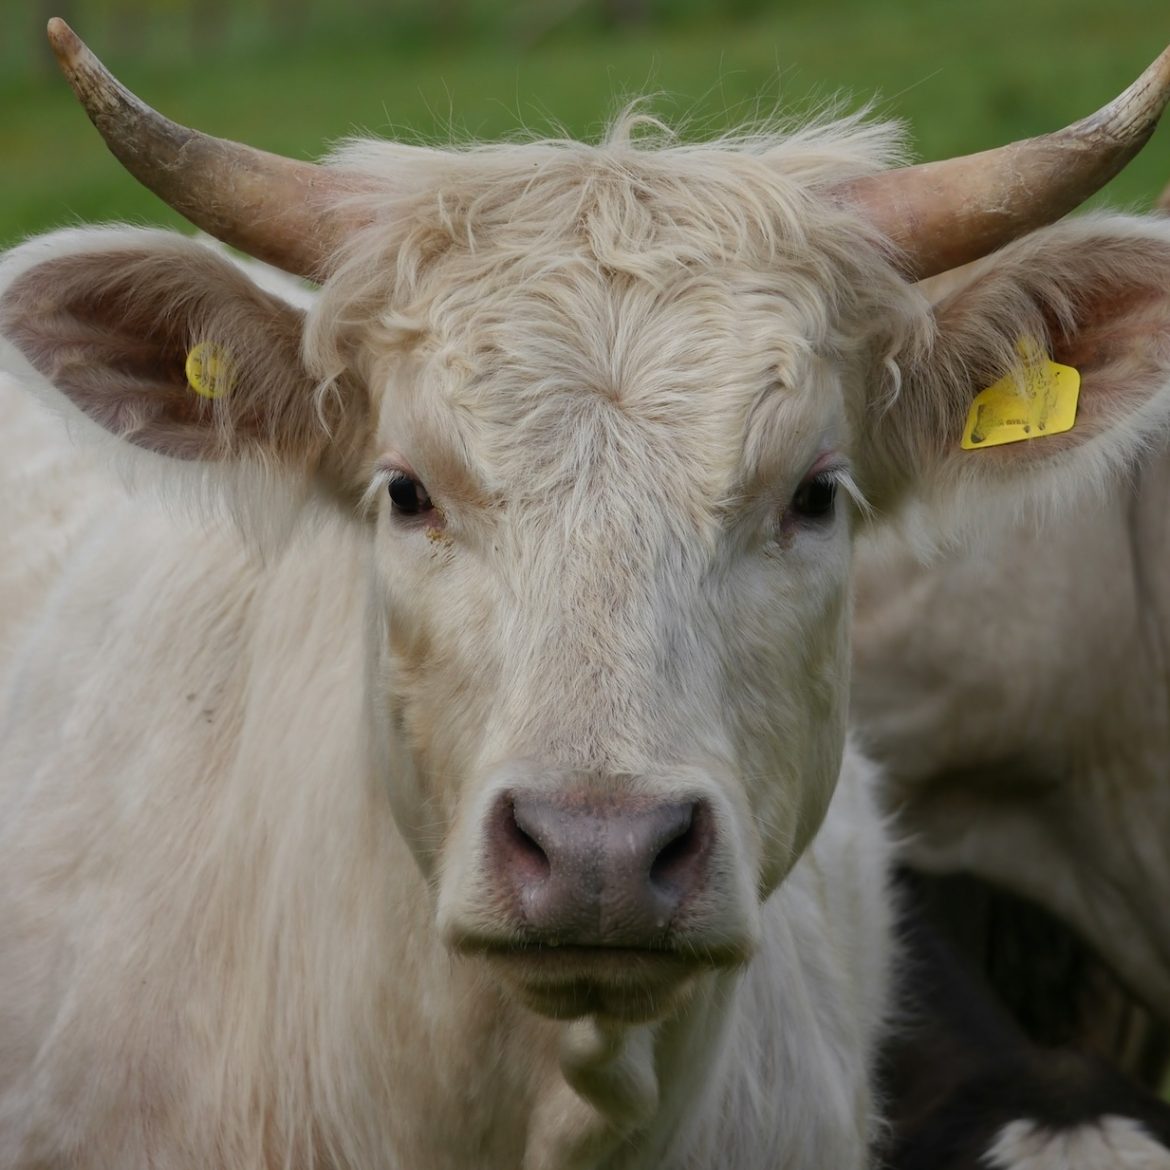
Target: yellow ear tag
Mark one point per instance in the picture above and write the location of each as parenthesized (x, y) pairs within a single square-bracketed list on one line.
[(1040, 400), (210, 372)]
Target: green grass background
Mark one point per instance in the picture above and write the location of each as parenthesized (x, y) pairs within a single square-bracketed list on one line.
[(964, 76)]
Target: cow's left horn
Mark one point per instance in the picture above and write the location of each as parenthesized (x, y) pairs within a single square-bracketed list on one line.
[(944, 214), (273, 208)]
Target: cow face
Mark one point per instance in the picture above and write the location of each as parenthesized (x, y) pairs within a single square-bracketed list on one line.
[(612, 550), (612, 486)]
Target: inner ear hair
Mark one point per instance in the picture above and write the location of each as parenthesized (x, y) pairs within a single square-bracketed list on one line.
[(112, 331), (1095, 292), (1096, 299)]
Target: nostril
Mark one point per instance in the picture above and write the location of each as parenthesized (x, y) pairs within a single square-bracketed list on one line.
[(679, 863), (529, 860)]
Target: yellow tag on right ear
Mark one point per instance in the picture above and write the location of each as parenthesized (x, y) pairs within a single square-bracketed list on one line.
[(1041, 401), (209, 370)]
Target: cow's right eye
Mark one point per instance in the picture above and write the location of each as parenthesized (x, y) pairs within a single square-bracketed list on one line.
[(815, 497), (408, 497)]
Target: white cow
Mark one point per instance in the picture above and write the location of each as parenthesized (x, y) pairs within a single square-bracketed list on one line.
[(479, 796)]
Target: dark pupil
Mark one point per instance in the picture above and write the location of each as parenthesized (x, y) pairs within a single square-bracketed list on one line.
[(816, 497), (408, 496)]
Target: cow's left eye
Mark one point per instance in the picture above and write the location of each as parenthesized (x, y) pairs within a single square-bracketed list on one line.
[(408, 497), (815, 498)]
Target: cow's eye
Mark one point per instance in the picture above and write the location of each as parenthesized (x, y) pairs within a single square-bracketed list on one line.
[(816, 497), (408, 497)]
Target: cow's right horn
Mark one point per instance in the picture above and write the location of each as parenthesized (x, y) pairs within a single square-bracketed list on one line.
[(273, 208)]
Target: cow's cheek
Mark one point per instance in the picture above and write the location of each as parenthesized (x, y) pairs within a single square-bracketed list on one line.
[(440, 674), (792, 740)]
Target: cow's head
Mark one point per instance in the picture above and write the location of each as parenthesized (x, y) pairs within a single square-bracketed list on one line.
[(609, 415)]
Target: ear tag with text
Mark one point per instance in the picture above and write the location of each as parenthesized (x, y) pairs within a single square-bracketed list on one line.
[(209, 369), (1040, 400)]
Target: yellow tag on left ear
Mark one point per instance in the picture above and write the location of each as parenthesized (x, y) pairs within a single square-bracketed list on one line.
[(210, 372), (1041, 401)]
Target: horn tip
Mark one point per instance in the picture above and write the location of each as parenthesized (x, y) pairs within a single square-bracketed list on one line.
[(84, 72), (67, 46), (64, 41)]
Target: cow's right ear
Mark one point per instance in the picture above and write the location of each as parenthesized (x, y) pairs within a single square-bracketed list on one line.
[(167, 343)]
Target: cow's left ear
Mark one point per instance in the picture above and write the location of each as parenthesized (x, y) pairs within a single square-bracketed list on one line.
[(1092, 294)]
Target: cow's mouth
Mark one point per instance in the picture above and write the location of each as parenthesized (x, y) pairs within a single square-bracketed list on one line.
[(634, 984)]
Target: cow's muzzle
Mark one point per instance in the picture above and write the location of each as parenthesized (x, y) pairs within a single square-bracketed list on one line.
[(601, 895)]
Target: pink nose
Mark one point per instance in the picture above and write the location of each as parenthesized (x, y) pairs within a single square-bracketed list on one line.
[(585, 870)]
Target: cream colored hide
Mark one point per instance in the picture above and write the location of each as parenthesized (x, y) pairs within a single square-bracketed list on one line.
[(272, 783), (1016, 689)]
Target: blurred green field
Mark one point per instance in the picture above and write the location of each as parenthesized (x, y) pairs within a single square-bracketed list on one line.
[(965, 77)]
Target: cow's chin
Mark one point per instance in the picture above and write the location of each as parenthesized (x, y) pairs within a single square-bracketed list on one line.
[(623, 984)]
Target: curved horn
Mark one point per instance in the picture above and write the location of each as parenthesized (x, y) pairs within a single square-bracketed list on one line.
[(944, 214), (273, 208)]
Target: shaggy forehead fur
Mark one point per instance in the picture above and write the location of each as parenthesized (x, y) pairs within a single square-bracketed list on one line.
[(637, 280)]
